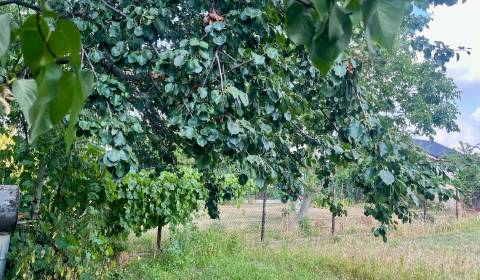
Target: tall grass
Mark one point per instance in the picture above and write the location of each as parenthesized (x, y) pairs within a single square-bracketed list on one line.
[(448, 249)]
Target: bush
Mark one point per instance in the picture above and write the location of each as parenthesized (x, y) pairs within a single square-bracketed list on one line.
[(306, 227), (191, 247)]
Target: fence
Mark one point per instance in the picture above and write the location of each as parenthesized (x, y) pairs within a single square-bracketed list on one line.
[(281, 219)]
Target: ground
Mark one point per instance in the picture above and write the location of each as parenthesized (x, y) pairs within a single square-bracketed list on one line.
[(442, 248)]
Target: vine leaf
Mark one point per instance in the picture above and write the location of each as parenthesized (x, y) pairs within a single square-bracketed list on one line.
[(299, 23), (4, 33), (387, 177), (35, 52), (382, 19), (25, 92), (39, 115), (84, 88), (331, 42)]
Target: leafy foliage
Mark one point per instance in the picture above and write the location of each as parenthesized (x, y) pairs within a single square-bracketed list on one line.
[(221, 86), (56, 86)]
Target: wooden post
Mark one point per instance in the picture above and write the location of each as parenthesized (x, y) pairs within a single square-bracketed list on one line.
[(425, 210), (159, 232), (456, 204), (264, 214), (333, 214)]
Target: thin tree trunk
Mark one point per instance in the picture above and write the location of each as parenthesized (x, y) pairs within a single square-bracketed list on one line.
[(264, 216), (333, 214), (456, 205), (159, 233), (425, 210), (302, 212), (38, 190)]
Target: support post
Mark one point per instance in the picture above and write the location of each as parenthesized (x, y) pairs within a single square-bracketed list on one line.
[(333, 214), (425, 211), (264, 214), (456, 204), (159, 233)]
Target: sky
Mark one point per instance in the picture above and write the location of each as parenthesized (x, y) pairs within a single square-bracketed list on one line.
[(458, 26)]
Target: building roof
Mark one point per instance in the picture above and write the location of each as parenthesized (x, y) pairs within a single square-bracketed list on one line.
[(434, 149)]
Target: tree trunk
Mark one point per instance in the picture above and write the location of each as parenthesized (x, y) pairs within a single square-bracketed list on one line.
[(159, 233), (333, 214), (38, 190), (456, 204), (425, 210), (307, 199), (264, 216)]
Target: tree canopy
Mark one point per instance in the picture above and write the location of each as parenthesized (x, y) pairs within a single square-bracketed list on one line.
[(263, 89)]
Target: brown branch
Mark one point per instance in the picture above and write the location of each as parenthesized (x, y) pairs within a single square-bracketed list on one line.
[(220, 70), (112, 69), (113, 8), (329, 120), (238, 66), (360, 103), (305, 134), (20, 3)]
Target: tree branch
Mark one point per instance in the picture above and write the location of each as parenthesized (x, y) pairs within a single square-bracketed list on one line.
[(113, 8), (112, 69), (20, 3), (330, 121), (305, 134)]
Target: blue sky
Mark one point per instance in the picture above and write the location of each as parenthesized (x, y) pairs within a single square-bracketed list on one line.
[(458, 26)]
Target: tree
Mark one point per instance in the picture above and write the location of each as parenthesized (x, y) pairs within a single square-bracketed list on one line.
[(465, 167), (219, 83)]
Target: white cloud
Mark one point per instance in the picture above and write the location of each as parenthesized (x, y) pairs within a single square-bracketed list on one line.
[(476, 114), (457, 26), (469, 133)]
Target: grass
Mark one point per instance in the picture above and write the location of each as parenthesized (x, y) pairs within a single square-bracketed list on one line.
[(444, 250)]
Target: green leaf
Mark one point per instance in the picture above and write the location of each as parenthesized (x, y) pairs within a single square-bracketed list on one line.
[(72, 40), (138, 31), (187, 131), (4, 33), (272, 53), (258, 59), (193, 66), (119, 140), (201, 140), (355, 131), (47, 83), (265, 127), (220, 40), (233, 127), (179, 60), (25, 91), (243, 179), (33, 47), (238, 94), (85, 84), (382, 19), (117, 50), (387, 177), (299, 23), (63, 100), (322, 7), (326, 46), (202, 92), (169, 87)]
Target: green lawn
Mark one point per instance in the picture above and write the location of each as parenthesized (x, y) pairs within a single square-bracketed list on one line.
[(442, 251)]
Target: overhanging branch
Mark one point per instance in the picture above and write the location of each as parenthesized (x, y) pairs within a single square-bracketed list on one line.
[(20, 3)]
